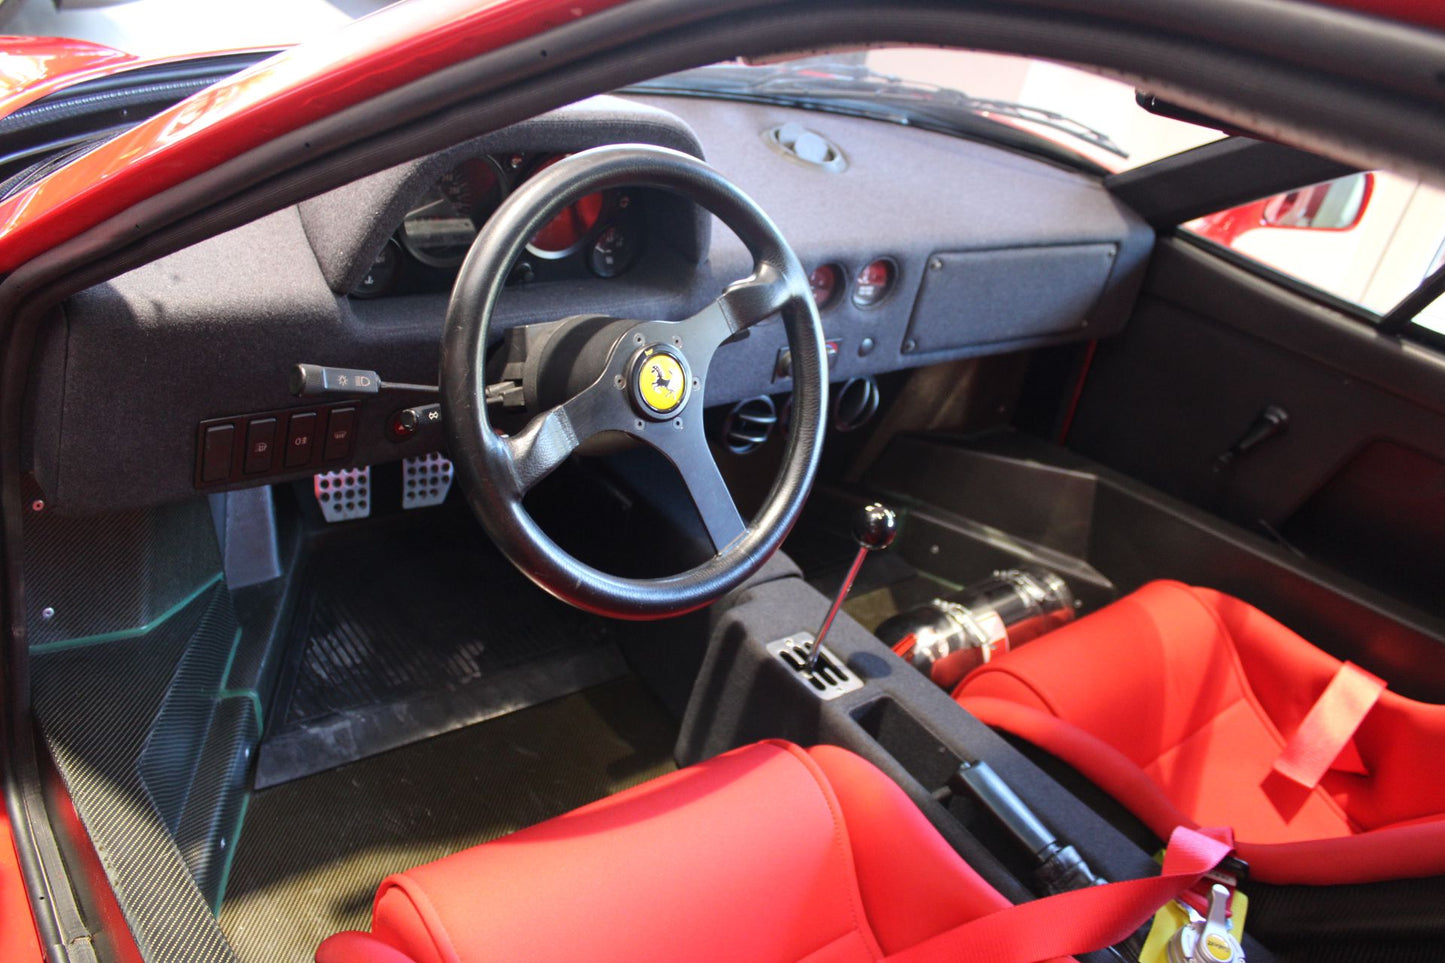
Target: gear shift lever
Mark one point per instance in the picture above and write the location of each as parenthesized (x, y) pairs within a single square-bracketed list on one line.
[(874, 528)]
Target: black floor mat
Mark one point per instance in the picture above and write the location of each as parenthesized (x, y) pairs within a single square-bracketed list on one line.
[(313, 851), (413, 627)]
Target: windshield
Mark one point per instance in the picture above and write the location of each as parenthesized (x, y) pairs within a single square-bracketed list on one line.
[(1024, 102), (1049, 108)]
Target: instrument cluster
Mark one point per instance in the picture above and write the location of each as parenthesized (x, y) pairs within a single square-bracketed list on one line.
[(600, 235)]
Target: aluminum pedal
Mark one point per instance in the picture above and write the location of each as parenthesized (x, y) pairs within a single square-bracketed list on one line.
[(344, 495), (425, 480)]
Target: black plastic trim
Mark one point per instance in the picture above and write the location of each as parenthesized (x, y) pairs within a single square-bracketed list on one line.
[(1217, 176), (1402, 315)]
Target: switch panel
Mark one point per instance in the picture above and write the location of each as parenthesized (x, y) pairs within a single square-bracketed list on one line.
[(252, 447)]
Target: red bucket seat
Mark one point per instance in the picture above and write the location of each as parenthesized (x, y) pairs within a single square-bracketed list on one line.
[(1189, 707), (767, 853)]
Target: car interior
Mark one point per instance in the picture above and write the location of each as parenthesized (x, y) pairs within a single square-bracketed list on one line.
[(524, 465)]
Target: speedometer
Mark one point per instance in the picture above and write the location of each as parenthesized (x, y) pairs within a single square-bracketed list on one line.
[(440, 229)]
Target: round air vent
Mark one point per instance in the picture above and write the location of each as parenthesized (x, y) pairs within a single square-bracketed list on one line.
[(749, 424), (856, 402), (796, 142)]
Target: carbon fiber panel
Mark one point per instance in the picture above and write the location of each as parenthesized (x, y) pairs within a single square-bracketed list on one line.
[(412, 626), (314, 850), (412, 607), (112, 713), (215, 808), (93, 576)]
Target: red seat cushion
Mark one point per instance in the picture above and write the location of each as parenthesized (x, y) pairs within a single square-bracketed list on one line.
[(765, 853), (1178, 700)]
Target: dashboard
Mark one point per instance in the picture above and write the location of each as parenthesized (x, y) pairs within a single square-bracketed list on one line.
[(922, 248)]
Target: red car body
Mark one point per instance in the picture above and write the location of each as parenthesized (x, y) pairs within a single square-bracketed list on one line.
[(114, 181)]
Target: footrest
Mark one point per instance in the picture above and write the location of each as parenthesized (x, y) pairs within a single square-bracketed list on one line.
[(344, 495), (425, 480)]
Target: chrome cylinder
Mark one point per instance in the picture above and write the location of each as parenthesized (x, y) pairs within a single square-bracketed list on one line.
[(949, 637)]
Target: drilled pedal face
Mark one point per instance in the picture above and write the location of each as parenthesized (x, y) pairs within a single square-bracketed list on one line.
[(828, 679), (344, 495), (425, 480)]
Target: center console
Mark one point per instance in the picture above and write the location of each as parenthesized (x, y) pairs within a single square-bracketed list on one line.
[(897, 718)]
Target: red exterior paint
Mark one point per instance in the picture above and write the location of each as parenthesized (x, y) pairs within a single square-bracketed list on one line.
[(366, 58), (18, 942), (1429, 13), (1225, 227), (31, 67)]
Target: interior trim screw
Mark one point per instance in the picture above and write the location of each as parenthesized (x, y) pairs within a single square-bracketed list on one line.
[(47, 613), (38, 505)]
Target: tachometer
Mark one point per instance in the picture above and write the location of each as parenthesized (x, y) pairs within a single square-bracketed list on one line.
[(440, 229), (567, 231)]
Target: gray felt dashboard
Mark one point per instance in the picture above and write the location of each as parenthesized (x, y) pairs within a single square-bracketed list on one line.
[(994, 252)]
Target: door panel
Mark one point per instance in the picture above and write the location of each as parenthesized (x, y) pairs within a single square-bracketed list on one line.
[(1357, 479)]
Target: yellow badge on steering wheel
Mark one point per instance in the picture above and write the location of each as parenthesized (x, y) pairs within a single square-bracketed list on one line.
[(661, 382)]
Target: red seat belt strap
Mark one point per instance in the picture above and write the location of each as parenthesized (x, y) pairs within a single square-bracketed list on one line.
[(1329, 727), (1081, 920)]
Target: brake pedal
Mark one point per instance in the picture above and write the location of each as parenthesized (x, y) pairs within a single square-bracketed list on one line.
[(343, 495), (426, 479)]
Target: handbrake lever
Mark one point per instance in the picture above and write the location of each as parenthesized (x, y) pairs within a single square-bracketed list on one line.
[(1059, 867)]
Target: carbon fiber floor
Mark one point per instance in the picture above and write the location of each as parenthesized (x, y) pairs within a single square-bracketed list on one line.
[(407, 628), (312, 851)]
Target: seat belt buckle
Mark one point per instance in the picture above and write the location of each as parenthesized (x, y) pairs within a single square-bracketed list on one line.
[(1212, 933)]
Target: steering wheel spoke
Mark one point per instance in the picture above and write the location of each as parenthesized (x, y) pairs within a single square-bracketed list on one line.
[(552, 436), (686, 447), (743, 304)]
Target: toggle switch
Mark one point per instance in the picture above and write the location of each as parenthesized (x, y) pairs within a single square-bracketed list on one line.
[(260, 445)]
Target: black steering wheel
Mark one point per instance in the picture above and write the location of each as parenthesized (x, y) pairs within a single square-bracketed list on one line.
[(651, 387)]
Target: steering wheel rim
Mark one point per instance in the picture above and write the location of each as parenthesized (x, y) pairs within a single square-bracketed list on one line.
[(497, 471)]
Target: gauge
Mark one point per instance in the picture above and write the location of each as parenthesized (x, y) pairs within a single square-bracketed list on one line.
[(873, 282), (566, 232), (826, 281), (613, 252), (440, 229), (381, 273)]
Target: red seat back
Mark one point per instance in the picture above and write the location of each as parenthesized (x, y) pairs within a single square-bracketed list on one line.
[(1178, 700)]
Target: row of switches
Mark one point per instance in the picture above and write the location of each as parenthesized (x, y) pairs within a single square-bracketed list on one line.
[(298, 433)]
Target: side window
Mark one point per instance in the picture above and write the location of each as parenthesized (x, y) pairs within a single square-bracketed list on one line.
[(1368, 238)]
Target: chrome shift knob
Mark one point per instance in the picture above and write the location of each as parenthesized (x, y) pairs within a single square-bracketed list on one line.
[(874, 527)]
